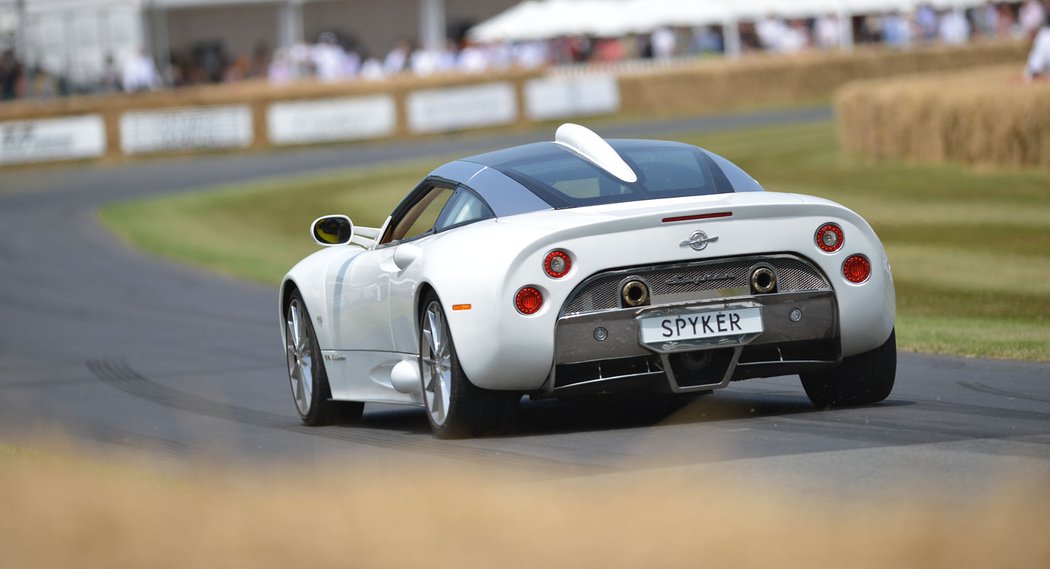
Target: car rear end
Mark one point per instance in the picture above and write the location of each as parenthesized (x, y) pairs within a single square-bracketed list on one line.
[(686, 294), (665, 265)]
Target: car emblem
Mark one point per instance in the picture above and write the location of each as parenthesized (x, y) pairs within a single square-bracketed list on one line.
[(699, 279), (698, 241)]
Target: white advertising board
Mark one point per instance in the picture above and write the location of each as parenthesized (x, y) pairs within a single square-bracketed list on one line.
[(186, 129), (453, 108), (324, 120), (66, 138), (559, 97)]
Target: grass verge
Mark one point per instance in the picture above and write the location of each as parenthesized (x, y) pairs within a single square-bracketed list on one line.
[(970, 250)]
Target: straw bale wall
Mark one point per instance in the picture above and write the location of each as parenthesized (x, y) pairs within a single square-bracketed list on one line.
[(717, 85), (984, 117)]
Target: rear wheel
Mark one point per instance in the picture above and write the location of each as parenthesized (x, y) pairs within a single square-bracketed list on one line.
[(455, 407), (858, 380), (306, 372)]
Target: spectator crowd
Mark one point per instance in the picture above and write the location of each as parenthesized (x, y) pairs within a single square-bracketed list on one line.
[(336, 56)]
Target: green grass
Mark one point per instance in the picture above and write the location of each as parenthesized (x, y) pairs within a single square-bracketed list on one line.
[(258, 231), (970, 250)]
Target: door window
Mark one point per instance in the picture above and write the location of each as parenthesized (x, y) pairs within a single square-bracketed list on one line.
[(464, 207), (435, 208), (421, 216)]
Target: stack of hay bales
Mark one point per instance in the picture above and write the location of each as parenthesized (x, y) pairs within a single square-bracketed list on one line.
[(983, 117), (773, 79)]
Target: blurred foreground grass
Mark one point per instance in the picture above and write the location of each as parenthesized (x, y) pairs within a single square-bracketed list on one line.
[(62, 509), (970, 250)]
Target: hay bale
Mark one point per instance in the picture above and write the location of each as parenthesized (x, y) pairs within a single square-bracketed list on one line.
[(770, 79), (984, 117)]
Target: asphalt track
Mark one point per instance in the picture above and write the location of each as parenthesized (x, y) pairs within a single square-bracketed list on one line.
[(111, 347)]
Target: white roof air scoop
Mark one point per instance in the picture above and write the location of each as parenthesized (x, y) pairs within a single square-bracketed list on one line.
[(594, 149)]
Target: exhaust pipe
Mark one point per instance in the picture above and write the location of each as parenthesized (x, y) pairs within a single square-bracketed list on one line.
[(763, 280), (634, 293)]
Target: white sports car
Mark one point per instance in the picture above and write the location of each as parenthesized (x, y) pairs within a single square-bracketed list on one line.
[(585, 266)]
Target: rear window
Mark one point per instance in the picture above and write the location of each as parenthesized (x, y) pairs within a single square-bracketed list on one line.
[(564, 179)]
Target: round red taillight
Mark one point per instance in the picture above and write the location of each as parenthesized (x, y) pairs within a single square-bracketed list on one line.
[(830, 237), (529, 300), (856, 269), (557, 264)]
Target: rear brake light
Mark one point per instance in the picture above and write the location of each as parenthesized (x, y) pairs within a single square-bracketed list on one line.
[(529, 300), (830, 237), (856, 269), (557, 264), (697, 216)]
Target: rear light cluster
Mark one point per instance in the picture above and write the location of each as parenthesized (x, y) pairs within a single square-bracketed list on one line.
[(830, 238), (529, 300), (557, 264), (856, 269)]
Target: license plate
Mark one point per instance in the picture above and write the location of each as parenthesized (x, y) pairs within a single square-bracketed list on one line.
[(699, 325)]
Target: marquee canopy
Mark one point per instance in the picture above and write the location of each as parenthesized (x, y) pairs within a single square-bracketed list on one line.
[(543, 19)]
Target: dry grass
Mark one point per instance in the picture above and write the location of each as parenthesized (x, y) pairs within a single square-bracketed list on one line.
[(984, 117), (71, 512)]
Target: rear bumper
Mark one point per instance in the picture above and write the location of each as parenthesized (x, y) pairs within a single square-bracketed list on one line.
[(586, 363)]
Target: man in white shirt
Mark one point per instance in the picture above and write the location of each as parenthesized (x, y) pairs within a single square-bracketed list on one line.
[(397, 59), (828, 31), (955, 29), (140, 74), (1039, 58), (663, 42), (1032, 16)]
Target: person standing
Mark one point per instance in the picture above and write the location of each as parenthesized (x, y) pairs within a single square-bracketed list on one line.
[(140, 73), (10, 76), (1031, 17), (827, 31), (397, 59), (664, 42), (955, 28), (927, 20), (109, 82), (1039, 58)]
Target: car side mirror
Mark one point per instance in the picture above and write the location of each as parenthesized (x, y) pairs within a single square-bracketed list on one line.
[(332, 230)]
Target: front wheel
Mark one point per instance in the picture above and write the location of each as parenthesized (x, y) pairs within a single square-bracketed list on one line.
[(858, 380), (306, 372), (455, 407)]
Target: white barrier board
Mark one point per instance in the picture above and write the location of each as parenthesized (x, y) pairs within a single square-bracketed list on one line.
[(324, 120), (186, 129), (453, 108), (559, 97), (65, 138)]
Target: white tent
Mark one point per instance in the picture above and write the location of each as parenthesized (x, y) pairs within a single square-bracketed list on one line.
[(543, 19)]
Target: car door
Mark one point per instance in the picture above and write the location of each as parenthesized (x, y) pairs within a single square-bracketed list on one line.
[(461, 207), (360, 287)]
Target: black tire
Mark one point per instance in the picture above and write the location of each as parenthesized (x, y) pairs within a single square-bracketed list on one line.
[(314, 405), (859, 380), (470, 411)]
